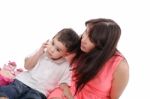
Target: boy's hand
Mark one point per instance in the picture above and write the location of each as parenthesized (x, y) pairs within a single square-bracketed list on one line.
[(42, 48)]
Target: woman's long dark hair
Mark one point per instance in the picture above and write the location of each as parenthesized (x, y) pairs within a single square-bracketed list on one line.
[(104, 33)]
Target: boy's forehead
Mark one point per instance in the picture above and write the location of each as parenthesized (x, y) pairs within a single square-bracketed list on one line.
[(59, 44)]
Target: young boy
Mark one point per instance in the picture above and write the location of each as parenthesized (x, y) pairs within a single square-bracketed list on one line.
[(46, 69)]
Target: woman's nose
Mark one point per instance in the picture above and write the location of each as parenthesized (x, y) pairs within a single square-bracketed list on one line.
[(84, 40)]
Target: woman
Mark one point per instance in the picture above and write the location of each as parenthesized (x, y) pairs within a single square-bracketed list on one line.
[(100, 70)]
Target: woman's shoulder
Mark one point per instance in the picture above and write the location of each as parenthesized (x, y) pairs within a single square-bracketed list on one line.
[(112, 64), (118, 53), (122, 65), (117, 57)]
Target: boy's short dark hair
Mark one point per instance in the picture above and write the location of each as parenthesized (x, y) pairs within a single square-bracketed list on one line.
[(69, 38)]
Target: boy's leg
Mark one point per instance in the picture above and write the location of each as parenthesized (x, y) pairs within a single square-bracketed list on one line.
[(13, 90), (32, 94)]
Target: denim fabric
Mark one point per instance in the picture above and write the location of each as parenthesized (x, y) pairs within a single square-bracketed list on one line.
[(3, 95), (18, 90)]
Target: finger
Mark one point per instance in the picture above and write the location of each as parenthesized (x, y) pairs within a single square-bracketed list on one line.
[(47, 41)]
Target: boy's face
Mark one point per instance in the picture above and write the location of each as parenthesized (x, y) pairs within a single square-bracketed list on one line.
[(56, 49)]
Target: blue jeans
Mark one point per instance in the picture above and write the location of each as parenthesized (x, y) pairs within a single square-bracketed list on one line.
[(18, 90)]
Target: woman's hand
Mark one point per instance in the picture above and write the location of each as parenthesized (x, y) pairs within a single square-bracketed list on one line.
[(66, 91), (55, 98), (67, 95)]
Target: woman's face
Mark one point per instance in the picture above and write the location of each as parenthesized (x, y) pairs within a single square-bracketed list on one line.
[(86, 44)]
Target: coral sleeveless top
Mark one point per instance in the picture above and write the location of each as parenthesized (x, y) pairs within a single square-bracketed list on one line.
[(99, 87)]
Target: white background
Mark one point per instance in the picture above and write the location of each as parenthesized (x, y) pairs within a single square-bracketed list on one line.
[(26, 24)]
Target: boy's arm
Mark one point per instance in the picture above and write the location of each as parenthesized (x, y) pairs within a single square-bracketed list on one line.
[(31, 61), (66, 91)]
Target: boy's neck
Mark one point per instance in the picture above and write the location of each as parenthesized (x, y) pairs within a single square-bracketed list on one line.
[(59, 60)]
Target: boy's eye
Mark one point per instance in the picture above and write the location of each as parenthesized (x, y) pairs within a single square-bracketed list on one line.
[(58, 49), (52, 43)]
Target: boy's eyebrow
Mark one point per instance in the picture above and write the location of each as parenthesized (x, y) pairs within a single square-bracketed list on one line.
[(56, 46)]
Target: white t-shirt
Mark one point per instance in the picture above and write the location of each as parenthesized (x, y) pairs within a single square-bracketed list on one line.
[(46, 75)]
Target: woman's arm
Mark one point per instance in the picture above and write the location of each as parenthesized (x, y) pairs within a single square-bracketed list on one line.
[(120, 80)]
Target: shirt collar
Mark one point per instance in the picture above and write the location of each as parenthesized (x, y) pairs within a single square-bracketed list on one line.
[(58, 61)]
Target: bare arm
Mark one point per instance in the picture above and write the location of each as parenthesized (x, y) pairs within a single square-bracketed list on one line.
[(120, 80), (31, 61), (66, 91)]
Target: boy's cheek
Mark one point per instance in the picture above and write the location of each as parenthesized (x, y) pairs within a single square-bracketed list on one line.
[(48, 46)]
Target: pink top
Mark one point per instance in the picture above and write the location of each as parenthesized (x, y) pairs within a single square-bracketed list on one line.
[(100, 86)]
